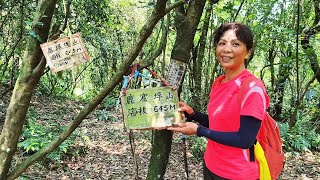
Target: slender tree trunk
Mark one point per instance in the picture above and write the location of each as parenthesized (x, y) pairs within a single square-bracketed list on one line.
[(31, 70), (211, 67), (309, 50), (284, 73), (197, 69), (271, 57), (305, 42), (186, 22), (165, 30)]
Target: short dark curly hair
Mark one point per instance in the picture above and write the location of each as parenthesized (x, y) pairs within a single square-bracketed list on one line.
[(243, 33)]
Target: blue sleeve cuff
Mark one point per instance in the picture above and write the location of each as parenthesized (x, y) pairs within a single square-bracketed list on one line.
[(200, 130)]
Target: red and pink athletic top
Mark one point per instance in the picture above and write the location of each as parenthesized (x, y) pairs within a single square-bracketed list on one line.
[(224, 110)]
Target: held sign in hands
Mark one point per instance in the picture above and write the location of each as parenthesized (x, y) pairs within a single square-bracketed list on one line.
[(187, 128), (183, 107)]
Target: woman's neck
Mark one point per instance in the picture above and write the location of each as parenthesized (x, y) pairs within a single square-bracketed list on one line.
[(230, 74)]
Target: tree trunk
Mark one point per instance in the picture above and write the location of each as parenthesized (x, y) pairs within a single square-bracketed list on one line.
[(32, 67), (161, 147), (308, 49), (271, 57), (305, 42), (284, 73), (197, 65), (186, 23)]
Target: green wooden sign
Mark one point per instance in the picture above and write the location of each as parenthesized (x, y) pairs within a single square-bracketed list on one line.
[(150, 108)]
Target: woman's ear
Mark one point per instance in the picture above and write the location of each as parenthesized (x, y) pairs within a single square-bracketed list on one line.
[(248, 54)]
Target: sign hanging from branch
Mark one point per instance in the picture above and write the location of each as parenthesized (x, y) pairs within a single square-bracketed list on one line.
[(176, 72), (150, 108), (65, 53)]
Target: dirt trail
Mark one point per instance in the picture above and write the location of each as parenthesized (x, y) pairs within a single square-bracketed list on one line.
[(102, 151), (107, 155)]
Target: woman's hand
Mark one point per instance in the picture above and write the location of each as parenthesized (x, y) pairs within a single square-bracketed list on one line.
[(183, 107), (187, 128)]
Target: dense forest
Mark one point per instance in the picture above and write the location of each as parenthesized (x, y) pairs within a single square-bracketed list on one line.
[(119, 34)]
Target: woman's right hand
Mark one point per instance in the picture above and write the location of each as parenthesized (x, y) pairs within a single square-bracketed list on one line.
[(183, 107)]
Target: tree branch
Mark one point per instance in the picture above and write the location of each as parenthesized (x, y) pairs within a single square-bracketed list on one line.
[(235, 17), (309, 83), (175, 5)]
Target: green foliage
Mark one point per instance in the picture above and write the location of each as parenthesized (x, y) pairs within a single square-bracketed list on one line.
[(110, 102), (104, 113), (38, 134), (198, 146), (300, 138), (23, 178), (110, 28), (304, 135)]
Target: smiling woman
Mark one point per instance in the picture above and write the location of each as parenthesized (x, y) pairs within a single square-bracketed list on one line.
[(231, 53), (231, 128)]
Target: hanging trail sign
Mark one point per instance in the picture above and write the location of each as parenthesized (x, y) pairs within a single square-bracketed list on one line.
[(65, 52), (150, 108), (176, 72)]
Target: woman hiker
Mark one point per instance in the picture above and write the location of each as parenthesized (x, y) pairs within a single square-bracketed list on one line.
[(231, 127)]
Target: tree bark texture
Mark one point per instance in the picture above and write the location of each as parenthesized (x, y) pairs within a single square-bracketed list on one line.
[(271, 58), (197, 64), (308, 49), (161, 148), (31, 70), (157, 14), (283, 76), (186, 23), (305, 42)]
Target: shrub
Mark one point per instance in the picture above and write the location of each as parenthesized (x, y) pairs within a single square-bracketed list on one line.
[(38, 134), (198, 146), (301, 137)]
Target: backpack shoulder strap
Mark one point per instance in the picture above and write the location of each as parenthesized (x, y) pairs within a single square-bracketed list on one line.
[(243, 85)]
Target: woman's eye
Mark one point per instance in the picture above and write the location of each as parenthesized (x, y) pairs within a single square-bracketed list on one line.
[(236, 44), (221, 43)]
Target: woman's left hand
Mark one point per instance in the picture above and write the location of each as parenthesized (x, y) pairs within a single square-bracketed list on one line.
[(188, 128)]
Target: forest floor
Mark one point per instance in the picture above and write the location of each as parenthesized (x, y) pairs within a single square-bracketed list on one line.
[(102, 150)]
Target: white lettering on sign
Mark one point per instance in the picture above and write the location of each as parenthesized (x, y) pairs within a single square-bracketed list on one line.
[(65, 52)]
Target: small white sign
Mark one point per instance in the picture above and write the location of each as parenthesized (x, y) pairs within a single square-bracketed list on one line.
[(176, 72), (65, 53)]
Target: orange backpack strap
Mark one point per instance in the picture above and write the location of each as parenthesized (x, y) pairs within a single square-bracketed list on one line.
[(243, 85), (269, 137)]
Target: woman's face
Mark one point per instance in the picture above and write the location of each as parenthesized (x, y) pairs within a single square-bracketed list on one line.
[(231, 52)]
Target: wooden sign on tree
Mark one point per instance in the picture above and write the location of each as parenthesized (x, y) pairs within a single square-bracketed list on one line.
[(150, 108), (65, 53), (176, 72)]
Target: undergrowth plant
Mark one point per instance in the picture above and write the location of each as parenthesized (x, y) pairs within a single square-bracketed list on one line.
[(37, 134), (107, 110), (197, 146), (301, 137)]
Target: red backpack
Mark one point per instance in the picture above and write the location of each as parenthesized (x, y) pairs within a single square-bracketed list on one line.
[(268, 137)]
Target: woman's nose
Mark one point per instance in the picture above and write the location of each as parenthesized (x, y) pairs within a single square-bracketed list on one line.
[(227, 48)]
